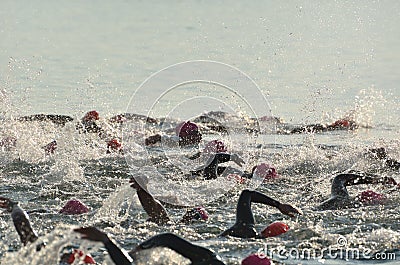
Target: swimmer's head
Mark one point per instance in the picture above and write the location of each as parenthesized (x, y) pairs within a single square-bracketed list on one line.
[(265, 171), (188, 133), (91, 116), (275, 229), (214, 146), (369, 197), (74, 207), (256, 259)]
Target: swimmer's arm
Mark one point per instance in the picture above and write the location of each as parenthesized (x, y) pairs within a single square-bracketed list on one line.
[(153, 208), (20, 220), (183, 247), (119, 256)]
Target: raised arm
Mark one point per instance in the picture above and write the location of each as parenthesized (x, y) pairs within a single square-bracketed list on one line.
[(20, 220), (119, 256), (153, 207), (196, 254), (340, 182)]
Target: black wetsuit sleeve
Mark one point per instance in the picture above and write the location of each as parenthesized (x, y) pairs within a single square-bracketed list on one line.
[(116, 254), (196, 254), (211, 170), (342, 180), (22, 225)]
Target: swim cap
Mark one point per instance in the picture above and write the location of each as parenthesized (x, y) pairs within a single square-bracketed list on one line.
[(256, 259), (369, 197), (77, 253), (275, 229), (201, 213), (265, 171), (114, 145), (74, 207), (91, 115), (215, 146), (185, 129)]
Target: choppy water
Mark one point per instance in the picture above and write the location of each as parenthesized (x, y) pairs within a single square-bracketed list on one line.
[(315, 62)]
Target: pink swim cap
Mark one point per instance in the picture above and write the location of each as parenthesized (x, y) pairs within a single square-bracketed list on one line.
[(266, 171), (91, 115), (275, 229), (74, 207), (185, 129), (202, 212), (256, 259), (369, 197), (215, 146), (114, 145)]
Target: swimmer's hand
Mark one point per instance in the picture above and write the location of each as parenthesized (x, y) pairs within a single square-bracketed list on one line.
[(6, 203), (388, 181), (289, 210), (92, 233), (235, 158)]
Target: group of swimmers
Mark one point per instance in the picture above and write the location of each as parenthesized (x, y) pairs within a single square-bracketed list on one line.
[(188, 134)]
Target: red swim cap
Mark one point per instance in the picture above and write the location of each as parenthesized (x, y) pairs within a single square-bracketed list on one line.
[(114, 145), (77, 253), (275, 229), (185, 129), (369, 197), (215, 146), (50, 147), (342, 123), (91, 115), (266, 171), (256, 259), (74, 207)]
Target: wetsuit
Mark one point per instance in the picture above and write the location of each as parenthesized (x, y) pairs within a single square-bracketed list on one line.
[(244, 225), (196, 254), (340, 197)]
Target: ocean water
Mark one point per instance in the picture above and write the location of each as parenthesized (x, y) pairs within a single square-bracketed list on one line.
[(311, 62)]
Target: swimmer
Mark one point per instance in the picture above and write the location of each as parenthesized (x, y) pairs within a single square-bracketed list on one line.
[(60, 120), (121, 118), (381, 154), (155, 210), (22, 223), (244, 225), (187, 134), (342, 124), (196, 254), (340, 197)]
